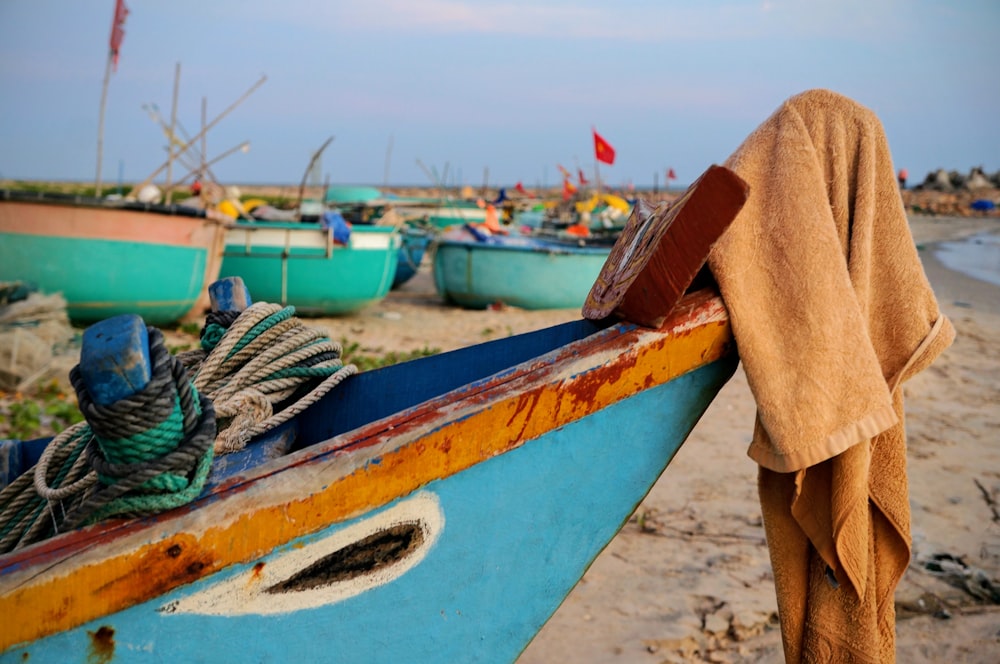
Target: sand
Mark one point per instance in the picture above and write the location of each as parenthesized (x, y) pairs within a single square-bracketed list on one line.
[(688, 578)]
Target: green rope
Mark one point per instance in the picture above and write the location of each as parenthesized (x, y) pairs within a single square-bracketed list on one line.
[(261, 327), (152, 503), (303, 372), (150, 444), (141, 455), (211, 336)]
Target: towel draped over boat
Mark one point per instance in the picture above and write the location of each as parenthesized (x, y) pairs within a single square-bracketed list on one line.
[(831, 311)]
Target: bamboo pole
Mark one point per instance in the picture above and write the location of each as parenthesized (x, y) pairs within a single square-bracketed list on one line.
[(197, 156), (388, 156), (100, 123), (204, 138), (173, 126), (312, 162), (242, 147), (205, 129)]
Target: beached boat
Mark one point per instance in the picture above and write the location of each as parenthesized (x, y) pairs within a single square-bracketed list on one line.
[(111, 257), (415, 242), (438, 510), (475, 271), (366, 205), (441, 213), (304, 266)]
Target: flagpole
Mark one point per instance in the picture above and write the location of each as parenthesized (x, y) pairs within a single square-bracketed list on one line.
[(100, 123)]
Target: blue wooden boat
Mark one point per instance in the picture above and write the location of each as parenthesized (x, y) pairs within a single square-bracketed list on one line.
[(434, 511), (476, 271)]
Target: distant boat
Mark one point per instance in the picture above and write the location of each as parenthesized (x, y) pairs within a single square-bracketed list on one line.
[(302, 265), (415, 242), (366, 205), (442, 213), (515, 270), (360, 205), (111, 257)]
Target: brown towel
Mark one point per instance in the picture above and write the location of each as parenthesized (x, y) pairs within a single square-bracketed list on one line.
[(831, 312)]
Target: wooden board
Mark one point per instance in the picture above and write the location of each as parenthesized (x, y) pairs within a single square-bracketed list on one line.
[(662, 249)]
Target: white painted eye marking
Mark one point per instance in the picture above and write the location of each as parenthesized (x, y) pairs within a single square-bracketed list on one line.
[(340, 565)]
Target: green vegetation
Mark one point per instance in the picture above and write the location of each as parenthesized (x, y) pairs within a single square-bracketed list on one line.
[(279, 201), (285, 200), (71, 188), (490, 332), (42, 411), (354, 354)]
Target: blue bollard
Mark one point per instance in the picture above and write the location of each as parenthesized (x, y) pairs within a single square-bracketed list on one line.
[(114, 358), (229, 294)]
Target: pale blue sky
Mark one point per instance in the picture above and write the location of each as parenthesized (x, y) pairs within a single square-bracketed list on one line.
[(509, 85)]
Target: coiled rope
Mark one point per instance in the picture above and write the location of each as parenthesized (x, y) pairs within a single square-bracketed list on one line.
[(143, 454), (260, 369), (153, 451)]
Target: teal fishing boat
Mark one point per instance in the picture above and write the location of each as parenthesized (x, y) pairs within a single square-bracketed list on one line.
[(475, 271), (111, 257), (305, 266)]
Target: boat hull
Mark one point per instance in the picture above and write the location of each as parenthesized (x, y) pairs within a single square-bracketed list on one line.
[(515, 271), (505, 541), (108, 261), (479, 485), (300, 265)]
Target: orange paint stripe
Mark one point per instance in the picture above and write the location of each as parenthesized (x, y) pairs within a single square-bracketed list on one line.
[(61, 599)]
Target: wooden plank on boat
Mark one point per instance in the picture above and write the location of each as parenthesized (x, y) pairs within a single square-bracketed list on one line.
[(662, 249)]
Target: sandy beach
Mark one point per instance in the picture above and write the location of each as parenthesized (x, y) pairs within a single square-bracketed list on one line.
[(688, 578)]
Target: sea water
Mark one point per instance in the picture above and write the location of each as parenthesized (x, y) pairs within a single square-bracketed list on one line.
[(977, 256)]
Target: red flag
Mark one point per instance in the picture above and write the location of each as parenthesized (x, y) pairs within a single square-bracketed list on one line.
[(519, 188), (118, 30), (566, 174), (583, 180), (671, 175), (603, 150), (568, 190)]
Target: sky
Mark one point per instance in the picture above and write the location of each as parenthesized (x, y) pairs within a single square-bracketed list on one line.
[(483, 91)]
